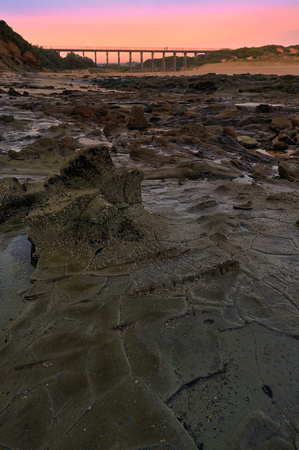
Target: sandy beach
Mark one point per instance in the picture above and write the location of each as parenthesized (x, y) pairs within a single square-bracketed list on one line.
[(252, 67), (235, 67)]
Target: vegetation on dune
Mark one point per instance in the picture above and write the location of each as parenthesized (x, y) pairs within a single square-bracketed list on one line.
[(266, 52), (8, 35), (51, 60)]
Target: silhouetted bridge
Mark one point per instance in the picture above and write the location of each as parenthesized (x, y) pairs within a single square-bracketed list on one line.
[(174, 51)]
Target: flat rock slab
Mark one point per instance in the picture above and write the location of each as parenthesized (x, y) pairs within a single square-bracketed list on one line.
[(193, 345)]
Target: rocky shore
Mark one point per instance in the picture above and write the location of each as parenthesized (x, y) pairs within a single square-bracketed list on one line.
[(163, 305)]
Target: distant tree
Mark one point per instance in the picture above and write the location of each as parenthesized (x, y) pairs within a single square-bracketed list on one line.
[(73, 61)]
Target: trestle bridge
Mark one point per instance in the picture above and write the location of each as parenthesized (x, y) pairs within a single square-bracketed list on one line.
[(164, 51)]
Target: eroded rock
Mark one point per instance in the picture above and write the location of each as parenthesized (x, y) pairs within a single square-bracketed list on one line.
[(12, 197), (137, 119), (289, 170), (280, 122), (88, 203)]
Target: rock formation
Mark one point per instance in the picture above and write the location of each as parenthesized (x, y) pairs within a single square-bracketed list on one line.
[(163, 306), (15, 53)]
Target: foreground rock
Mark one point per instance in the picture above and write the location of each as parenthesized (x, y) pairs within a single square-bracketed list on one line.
[(87, 204), (133, 319)]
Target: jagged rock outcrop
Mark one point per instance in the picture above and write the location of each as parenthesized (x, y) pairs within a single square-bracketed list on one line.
[(88, 203)]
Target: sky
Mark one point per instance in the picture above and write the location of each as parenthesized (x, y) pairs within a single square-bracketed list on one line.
[(154, 23)]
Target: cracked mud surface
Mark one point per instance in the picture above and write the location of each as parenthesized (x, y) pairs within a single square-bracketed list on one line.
[(187, 339)]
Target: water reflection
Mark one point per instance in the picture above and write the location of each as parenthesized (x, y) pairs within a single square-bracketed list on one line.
[(16, 267)]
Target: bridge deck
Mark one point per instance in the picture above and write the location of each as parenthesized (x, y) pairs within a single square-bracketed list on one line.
[(129, 49)]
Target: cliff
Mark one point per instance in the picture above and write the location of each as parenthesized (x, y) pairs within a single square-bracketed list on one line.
[(16, 54)]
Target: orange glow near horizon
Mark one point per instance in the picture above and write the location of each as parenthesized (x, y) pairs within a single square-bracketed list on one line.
[(183, 27)]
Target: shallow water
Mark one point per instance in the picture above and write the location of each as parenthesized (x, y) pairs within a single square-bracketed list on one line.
[(15, 270), (30, 127), (254, 104)]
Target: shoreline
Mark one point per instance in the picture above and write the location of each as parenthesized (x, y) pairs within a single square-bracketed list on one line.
[(223, 68)]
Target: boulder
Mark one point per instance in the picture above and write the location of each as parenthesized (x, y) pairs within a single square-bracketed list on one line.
[(277, 146), (284, 138), (261, 172), (280, 122), (289, 170), (215, 129), (247, 141), (228, 113), (230, 132), (137, 119), (85, 112), (229, 143), (264, 109), (111, 129), (194, 129), (13, 92)]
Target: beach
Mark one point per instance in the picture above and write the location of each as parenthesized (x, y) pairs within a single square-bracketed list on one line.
[(162, 215)]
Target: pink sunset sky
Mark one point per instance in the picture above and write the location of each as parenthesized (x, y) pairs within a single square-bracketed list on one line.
[(146, 23)]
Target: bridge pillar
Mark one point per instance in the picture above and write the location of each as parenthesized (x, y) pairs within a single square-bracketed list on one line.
[(174, 61), (83, 54), (130, 63), (195, 55), (141, 61), (118, 57), (107, 60), (95, 58), (163, 62), (152, 61), (185, 60)]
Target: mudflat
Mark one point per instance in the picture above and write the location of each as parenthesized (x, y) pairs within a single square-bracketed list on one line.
[(163, 217)]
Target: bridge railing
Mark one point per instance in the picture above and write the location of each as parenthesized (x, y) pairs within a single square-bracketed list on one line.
[(157, 49)]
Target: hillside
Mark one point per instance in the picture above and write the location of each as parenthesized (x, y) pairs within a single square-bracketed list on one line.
[(16, 54)]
